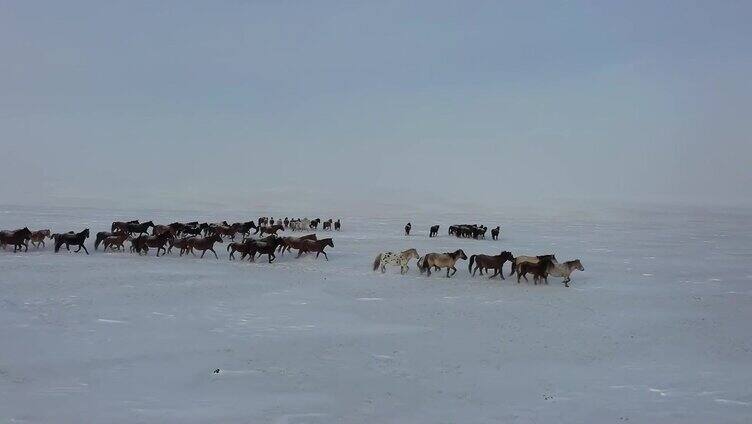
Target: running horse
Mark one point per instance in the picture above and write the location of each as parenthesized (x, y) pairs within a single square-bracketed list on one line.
[(72, 239), (37, 237), (441, 260), (17, 238), (204, 243), (307, 246)]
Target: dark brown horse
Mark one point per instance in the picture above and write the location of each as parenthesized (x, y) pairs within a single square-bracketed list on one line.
[(408, 227), (337, 225), (144, 242), (17, 238), (495, 233), (434, 231), (327, 225), (266, 247), (244, 248), (307, 246), (103, 235), (135, 228), (539, 269), (486, 262), (72, 239), (121, 225), (204, 243)]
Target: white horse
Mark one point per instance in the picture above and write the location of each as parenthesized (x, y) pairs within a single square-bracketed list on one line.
[(565, 269), (302, 225), (395, 259)]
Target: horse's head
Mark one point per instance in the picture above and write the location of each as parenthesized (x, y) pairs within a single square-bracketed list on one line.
[(85, 233), (148, 224), (461, 254), (329, 242), (507, 256), (576, 264), (216, 237)]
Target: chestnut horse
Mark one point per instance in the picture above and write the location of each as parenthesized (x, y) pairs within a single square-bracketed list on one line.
[(37, 237), (317, 246), (204, 243), (115, 240)]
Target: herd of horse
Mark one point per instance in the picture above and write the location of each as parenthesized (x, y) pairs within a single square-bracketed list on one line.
[(190, 237), (540, 267)]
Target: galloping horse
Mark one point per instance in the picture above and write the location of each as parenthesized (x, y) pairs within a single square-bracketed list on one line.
[(287, 243), (271, 229), (396, 259), (145, 242), (121, 225), (266, 246), (135, 228), (204, 243), (317, 246), (564, 270), (37, 237), (539, 269), (71, 239), (181, 243), (484, 262), (17, 238), (115, 240), (441, 260)]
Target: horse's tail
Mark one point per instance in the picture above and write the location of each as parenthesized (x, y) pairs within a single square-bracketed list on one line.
[(58, 243), (97, 241), (422, 266), (229, 246), (470, 264), (514, 266), (377, 262)]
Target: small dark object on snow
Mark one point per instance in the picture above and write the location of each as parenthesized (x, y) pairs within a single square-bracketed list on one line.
[(216, 371)]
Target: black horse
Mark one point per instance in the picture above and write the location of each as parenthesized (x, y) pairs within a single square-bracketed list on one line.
[(72, 239)]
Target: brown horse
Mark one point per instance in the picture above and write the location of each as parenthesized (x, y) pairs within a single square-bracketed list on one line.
[(337, 225), (72, 239), (17, 238), (143, 243), (539, 269), (529, 259), (136, 228), (495, 233), (288, 243), (266, 246), (485, 262), (103, 235), (434, 231), (271, 229), (37, 237), (181, 243), (441, 260), (204, 243), (327, 225), (115, 240), (121, 225), (244, 248), (317, 246)]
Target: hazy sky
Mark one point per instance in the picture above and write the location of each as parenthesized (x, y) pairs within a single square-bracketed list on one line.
[(172, 102)]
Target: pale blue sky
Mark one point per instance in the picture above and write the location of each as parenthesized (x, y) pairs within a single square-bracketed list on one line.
[(481, 101)]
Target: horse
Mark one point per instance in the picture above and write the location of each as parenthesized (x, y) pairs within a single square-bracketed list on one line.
[(564, 270), (159, 229), (120, 225), (337, 225), (539, 269), (441, 260), (529, 259), (317, 246), (37, 237), (204, 243), (144, 242), (75, 239), (271, 229), (244, 248), (17, 238), (287, 243), (327, 225), (408, 227), (181, 243), (396, 259), (286, 222), (103, 235), (495, 233), (314, 225), (484, 262), (115, 240), (266, 246), (434, 231), (246, 227), (135, 228)]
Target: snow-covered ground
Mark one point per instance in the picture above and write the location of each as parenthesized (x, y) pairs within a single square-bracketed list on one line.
[(657, 328)]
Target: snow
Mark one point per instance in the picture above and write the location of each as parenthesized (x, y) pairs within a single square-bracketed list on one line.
[(656, 329)]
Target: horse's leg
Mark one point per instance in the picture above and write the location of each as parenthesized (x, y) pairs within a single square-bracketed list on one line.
[(454, 270), (202, 253), (272, 257), (495, 273), (84, 247), (383, 268), (449, 268), (325, 257), (566, 282), (215, 253)]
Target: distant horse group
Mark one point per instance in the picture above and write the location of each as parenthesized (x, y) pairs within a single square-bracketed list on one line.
[(474, 231), (541, 267)]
